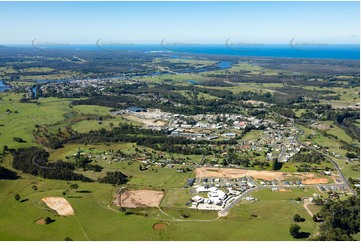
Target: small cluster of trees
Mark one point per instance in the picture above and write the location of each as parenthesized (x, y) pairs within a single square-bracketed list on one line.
[(115, 178), (297, 218), (308, 157), (19, 140), (83, 162), (276, 165), (7, 174)]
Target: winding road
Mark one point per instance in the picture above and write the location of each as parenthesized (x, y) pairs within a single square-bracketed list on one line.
[(344, 180)]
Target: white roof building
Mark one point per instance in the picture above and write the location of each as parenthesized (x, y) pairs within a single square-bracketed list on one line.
[(197, 199), (201, 189)]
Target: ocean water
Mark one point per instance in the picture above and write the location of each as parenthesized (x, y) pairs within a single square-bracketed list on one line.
[(329, 51), (301, 50)]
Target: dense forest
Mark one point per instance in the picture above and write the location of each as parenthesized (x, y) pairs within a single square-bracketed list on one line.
[(341, 219), (158, 140), (34, 160)]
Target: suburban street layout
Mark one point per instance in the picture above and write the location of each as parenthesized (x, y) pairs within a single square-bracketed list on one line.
[(180, 121)]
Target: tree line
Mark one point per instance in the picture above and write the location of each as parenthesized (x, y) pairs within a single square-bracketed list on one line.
[(34, 160), (341, 220)]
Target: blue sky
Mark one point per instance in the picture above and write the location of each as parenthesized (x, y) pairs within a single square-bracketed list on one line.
[(197, 22)]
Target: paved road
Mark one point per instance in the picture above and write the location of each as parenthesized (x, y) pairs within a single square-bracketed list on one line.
[(324, 155), (202, 160), (305, 186), (225, 210), (280, 158), (328, 158)]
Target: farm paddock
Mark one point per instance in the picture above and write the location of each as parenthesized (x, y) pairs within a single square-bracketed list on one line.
[(139, 198)]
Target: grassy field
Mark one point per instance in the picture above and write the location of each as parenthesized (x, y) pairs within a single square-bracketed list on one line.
[(337, 131), (266, 219), (253, 87), (155, 177), (24, 116), (63, 74), (253, 134), (85, 126), (94, 221), (53, 113), (244, 67), (299, 112), (176, 79), (176, 197), (201, 96)]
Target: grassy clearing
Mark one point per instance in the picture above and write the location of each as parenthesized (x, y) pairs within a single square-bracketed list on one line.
[(252, 87), (299, 112), (175, 79), (91, 220), (314, 208), (337, 131), (37, 69), (155, 177), (71, 149), (85, 126), (274, 214), (253, 134), (66, 74), (245, 68), (200, 96), (176, 197)]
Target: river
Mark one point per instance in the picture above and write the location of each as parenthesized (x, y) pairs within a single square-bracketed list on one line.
[(3, 87)]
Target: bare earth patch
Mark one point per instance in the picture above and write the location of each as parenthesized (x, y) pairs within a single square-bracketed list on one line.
[(148, 122), (40, 221), (320, 126), (205, 172), (306, 202), (159, 226), (284, 190), (315, 181), (256, 102), (59, 204), (139, 198)]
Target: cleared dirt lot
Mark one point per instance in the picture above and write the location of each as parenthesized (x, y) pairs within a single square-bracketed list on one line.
[(315, 181), (205, 172), (139, 198), (307, 178), (59, 204)]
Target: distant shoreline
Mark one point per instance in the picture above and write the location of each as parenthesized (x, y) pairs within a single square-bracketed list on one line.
[(336, 51)]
